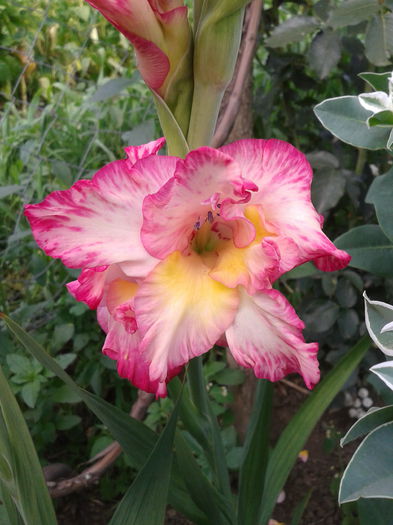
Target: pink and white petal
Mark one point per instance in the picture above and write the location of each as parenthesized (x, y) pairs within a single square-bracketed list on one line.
[(284, 176), (103, 317), (337, 260), (266, 335), (203, 178), (89, 287), (119, 291), (152, 62), (123, 347), (131, 18), (181, 312), (135, 153), (96, 222), (254, 267)]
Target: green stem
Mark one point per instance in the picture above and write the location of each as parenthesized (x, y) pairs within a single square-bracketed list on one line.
[(360, 161), (200, 398), (204, 114)]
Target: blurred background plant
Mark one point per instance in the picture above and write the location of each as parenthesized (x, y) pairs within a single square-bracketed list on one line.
[(71, 99)]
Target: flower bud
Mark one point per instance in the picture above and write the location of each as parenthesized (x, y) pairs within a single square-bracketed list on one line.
[(161, 35)]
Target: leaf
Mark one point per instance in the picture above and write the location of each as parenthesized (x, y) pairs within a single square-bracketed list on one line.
[(17, 449), (385, 372), (379, 36), (135, 438), (324, 53), (62, 334), (375, 102), (145, 501), (380, 195), (9, 190), (322, 159), (66, 394), (30, 393), (373, 419), (19, 364), (346, 293), (322, 9), (348, 323), (369, 474), (378, 81), (328, 186), (320, 315), (176, 141), (377, 316), (65, 360), (375, 511), (369, 248), (141, 134), (304, 270), (300, 508), (230, 376), (351, 12), (111, 88), (204, 494), (382, 118), (67, 421), (296, 433), (256, 451), (292, 30), (346, 119), (9, 514)]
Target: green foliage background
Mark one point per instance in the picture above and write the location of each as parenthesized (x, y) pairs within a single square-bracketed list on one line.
[(71, 99)]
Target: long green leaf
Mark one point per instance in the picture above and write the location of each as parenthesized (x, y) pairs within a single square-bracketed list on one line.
[(300, 508), (145, 501), (296, 433), (23, 478), (8, 511), (134, 437), (256, 450), (208, 499), (214, 504)]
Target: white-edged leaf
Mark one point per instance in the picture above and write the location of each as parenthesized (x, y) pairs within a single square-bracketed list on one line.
[(345, 118), (377, 315), (385, 372), (378, 81), (369, 474), (374, 418)]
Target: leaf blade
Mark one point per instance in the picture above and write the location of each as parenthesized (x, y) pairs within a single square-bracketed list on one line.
[(297, 431)]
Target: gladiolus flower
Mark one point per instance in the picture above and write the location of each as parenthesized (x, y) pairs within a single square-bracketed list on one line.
[(160, 33), (178, 254)]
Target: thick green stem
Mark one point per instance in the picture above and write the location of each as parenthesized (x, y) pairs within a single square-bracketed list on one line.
[(204, 114), (200, 398)]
